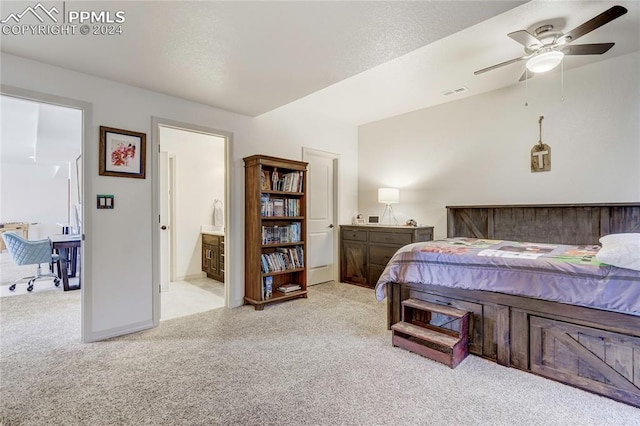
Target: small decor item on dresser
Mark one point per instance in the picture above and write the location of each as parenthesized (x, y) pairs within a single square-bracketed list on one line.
[(359, 219), (373, 220), (411, 222)]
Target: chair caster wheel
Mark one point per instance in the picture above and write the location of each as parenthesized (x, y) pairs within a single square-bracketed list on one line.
[(56, 282), (30, 288), (12, 287)]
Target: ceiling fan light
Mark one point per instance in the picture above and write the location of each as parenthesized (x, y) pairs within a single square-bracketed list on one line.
[(545, 61)]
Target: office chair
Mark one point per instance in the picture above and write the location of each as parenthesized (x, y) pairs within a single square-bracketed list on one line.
[(25, 252)]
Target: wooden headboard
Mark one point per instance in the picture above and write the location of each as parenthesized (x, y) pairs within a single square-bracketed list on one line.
[(544, 223)]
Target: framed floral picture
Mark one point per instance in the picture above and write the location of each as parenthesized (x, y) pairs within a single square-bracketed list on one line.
[(122, 153)]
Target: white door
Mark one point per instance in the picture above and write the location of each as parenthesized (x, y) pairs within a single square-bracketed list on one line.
[(321, 216), (164, 220)]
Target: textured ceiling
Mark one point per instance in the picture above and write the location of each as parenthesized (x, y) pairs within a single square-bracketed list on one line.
[(418, 79), (355, 61), (247, 57)]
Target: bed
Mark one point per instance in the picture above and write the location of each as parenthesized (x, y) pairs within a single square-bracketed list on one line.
[(589, 339)]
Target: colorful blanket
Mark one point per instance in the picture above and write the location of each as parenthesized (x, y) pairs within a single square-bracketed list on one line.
[(555, 272)]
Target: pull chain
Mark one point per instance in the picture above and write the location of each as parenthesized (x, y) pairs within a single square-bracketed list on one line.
[(562, 80), (526, 86)]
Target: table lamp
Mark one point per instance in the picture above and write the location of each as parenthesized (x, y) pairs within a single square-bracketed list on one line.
[(388, 196)]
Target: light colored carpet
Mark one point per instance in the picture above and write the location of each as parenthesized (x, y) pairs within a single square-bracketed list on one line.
[(326, 360)]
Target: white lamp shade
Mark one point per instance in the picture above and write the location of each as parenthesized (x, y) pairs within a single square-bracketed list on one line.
[(545, 61), (388, 195)]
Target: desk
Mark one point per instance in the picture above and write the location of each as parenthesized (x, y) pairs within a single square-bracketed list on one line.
[(73, 251), (65, 243)]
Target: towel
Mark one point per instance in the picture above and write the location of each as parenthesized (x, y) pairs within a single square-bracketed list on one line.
[(217, 213)]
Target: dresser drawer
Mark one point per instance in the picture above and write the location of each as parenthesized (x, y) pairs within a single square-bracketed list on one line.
[(390, 238), (380, 255), (354, 235)]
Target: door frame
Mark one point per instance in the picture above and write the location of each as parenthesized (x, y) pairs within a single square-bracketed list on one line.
[(156, 122), (336, 202), (86, 290)]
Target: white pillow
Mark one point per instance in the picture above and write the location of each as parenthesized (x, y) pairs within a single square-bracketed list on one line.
[(621, 250)]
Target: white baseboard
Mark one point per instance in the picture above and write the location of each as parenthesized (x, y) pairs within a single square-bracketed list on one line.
[(118, 331), (191, 277)]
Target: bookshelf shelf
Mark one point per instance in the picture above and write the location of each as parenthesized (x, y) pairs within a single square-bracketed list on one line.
[(273, 219), (300, 243), (268, 218), (288, 194), (288, 271)]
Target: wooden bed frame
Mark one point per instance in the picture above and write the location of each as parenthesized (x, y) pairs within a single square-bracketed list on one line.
[(596, 350)]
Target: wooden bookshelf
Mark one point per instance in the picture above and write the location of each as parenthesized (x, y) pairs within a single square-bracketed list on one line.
[(275, 229)]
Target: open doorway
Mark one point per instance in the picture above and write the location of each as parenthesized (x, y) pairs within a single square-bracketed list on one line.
[(192, 221), (40, 182)]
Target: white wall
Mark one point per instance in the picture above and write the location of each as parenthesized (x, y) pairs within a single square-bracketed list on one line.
[(33, 193), (476, 150), (199, 168), (119, 289), (38, 147)]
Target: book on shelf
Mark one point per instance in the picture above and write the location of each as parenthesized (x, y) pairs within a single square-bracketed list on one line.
[(268, 287), (278, 207), (282, 259), (288, 288), (281, 234), (286, 182)]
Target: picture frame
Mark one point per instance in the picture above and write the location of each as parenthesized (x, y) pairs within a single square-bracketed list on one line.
[(122, 153), (265, 180)]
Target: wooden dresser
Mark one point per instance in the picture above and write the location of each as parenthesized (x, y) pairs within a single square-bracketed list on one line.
[(365, 250)]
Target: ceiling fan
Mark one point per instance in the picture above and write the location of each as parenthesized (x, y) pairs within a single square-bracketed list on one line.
[(545, 48)]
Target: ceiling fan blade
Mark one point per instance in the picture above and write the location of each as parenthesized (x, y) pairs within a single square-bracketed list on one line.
[(587, 49), (512, 61), (605, 17), (525, 38)]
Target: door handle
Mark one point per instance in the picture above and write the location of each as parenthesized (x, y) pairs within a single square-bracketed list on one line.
[(163, 227), (331, 225)]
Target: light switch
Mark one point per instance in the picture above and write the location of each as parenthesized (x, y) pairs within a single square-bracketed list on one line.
[(105, 201)]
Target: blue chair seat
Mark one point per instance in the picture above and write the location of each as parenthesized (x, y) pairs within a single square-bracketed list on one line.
[(26, 252)]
